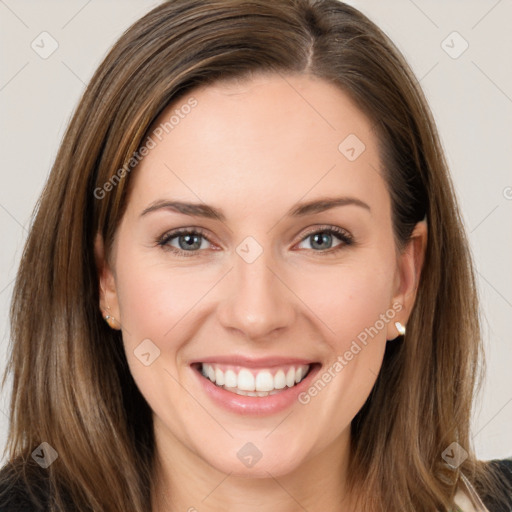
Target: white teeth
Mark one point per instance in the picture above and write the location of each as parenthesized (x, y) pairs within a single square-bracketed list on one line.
[(246, 381), (230, 379), (279, 380), (264, 381), (211, 373), (219, 377), (290, 377), (254, 382)]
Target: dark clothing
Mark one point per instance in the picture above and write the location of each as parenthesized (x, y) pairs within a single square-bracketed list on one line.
[(17, 499), (505, 471)]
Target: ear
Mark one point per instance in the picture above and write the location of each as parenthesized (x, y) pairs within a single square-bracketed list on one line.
[(109, 304), (407, 277)]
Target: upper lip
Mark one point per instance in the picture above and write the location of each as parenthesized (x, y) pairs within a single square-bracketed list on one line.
[(251, 362)]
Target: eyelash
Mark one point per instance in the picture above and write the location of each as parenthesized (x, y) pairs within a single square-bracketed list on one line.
[(341, 234)]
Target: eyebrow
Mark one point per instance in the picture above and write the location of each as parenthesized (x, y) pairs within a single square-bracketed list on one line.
[(210, 212)]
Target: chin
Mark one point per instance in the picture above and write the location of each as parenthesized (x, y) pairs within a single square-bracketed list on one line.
[(248, 462)]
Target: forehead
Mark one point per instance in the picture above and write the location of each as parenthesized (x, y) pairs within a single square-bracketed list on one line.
[(257, 139)]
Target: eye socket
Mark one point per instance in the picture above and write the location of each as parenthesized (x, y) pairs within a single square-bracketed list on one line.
[(192, 243)]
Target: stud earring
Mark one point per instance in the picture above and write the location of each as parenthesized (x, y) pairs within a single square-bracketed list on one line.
[(400, 328), (111, 321)]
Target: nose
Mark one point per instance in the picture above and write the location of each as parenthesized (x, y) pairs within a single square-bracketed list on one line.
[(258, 301)]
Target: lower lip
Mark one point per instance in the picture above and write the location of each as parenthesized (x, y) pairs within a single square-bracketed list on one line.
[(256, 405)]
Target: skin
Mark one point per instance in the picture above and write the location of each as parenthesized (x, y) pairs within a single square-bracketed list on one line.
[(255, 149)]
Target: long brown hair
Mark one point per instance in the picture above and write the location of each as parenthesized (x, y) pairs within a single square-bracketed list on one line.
[(71, 383)]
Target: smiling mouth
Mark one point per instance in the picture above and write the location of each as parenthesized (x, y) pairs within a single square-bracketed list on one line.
[(254, 382)]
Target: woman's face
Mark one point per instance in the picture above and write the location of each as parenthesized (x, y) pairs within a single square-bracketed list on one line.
[(291, 266)]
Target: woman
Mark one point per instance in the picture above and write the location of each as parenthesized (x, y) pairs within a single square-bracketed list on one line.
[(182, 340)]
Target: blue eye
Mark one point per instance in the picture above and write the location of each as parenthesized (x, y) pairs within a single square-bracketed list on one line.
[(323, 237), (190, 241)]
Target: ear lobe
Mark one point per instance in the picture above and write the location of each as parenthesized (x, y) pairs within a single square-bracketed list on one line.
[(410, 264)]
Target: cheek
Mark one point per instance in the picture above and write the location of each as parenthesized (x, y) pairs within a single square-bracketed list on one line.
[(355, 310), (350, 298), (153, 298), (154, 302)]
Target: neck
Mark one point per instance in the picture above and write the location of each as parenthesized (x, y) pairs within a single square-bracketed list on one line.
[(183, 481)]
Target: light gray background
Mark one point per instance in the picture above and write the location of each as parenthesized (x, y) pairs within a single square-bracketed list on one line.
[(471, 98)]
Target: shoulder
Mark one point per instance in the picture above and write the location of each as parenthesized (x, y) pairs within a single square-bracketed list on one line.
[(502, 469), (17, 496)]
